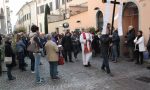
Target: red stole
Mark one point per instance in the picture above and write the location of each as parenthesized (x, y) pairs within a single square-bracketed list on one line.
[(86, 49)]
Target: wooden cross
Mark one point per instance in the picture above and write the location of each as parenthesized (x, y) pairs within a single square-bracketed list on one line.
[(114, 8)]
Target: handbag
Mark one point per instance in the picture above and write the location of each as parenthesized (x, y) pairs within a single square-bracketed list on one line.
[(61, 60), (8, 60)]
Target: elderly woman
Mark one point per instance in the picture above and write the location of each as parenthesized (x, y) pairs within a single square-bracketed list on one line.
[(52, 56)]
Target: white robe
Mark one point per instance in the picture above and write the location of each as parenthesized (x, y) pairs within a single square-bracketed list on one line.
[(85, 56)]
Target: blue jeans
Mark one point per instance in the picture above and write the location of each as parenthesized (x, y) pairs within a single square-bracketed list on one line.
[(53, 69), (37, 64), (114, 52)]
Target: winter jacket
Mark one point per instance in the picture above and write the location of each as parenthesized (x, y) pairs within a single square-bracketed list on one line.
[(140, 43), (67, 43)]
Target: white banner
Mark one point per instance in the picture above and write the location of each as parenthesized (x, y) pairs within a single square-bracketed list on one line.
[(120, 29), (106, 16)]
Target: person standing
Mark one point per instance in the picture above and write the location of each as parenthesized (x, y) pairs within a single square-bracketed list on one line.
[(35, 41), (86, 40), (67, 46), (115, 45), (105, 44), (139, 47), (130, 42), (20, 46), (9, 53), (0, 55), (52, 56), (75, 42)]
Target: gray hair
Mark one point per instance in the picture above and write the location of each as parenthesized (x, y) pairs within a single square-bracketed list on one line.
[(49, 36)]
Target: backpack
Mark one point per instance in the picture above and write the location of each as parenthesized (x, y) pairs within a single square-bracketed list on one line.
[(32, 46)]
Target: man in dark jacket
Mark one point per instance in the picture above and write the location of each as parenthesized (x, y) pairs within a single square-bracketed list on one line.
[(105, 43), (67, 45), (115, 45), (130, 42)]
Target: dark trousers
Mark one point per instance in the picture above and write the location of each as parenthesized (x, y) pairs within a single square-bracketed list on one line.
[(75, 50), (139, 57), (31, 56), (105, 64), (53, 69), (114, 52), (14, 59), (0, 68), (21, 60), (67, 53), (9, 69)]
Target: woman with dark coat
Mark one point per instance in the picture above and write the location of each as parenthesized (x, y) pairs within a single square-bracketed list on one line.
[(9, 53), (20, 46)]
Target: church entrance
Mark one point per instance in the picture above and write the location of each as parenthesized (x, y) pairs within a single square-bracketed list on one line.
[(99, 20), (130, 17)]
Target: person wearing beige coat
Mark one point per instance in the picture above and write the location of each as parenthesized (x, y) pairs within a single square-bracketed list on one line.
[(52, 56)]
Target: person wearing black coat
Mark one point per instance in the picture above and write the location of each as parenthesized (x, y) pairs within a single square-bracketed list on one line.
[(130, 42), (105, 43), (9, 53), (115, 45), (67, 46)]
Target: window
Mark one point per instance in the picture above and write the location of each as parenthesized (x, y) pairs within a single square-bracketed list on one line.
[(63, 1), (57, 4), (51, 6), (38, 10), (42, 9), (0, 25), (27, 16), (40, 27), (69, 0)]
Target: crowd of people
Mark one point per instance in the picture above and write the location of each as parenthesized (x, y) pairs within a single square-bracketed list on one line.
[(52, 45)]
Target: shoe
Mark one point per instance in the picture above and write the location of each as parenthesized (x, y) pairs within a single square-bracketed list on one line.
[(71, 61), (136, 63), (41, 63), (32, 71), (103, 69), (110, 74), (86, 66), (55, 77), (40, 81), (13, 78), (114, 61), (89, 64), (23, 69), (148, 68)]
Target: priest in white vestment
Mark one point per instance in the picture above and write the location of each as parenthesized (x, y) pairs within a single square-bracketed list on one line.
[(86, 39)]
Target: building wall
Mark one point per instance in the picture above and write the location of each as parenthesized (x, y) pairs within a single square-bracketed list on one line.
[(88, 18), (2, 18), (55, 11), (28, 10)]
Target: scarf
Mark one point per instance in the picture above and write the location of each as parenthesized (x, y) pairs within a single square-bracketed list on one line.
[(86, 49)]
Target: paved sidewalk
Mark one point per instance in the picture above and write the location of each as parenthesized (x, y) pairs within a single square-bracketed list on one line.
[(76, 77)]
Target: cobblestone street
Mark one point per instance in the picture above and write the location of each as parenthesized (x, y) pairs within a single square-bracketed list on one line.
[(76, 77)]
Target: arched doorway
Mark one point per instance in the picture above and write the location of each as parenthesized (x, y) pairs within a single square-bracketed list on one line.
[(130, 17), (99, 20)]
